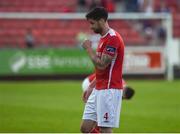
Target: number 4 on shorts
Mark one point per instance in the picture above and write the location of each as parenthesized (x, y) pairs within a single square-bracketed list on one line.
[(106, 116)]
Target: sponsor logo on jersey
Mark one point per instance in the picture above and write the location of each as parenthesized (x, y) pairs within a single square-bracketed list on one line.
[(110, 49)]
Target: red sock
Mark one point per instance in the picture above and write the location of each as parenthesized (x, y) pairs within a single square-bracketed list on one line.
[(95, 130)]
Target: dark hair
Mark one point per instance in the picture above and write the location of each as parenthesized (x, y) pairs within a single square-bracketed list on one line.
[(129, 93), (97, 13)]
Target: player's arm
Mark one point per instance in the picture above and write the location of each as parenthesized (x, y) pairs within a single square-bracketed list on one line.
[(100, 63)]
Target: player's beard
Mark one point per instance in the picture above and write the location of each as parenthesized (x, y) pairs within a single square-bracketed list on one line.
[(98, 30)]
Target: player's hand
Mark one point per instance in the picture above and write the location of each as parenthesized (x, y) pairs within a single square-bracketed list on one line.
[(86, 94), (86, 44)]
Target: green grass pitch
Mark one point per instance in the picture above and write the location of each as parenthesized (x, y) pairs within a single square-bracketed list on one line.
[(56, 106)]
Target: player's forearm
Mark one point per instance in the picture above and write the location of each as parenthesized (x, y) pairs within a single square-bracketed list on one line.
[(95, 59)]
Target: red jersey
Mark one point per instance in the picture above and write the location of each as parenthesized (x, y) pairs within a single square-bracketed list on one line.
[(92, 76), (111, 77)]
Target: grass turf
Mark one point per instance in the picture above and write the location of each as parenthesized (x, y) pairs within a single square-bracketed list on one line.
[(56, 106)]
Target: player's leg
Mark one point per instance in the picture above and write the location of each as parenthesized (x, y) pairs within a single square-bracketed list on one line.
[(89, 115), (96, 129), (106, 130), (108, 109), (87, 126)]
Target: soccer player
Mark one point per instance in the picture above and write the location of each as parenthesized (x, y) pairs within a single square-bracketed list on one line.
[(103, 103)]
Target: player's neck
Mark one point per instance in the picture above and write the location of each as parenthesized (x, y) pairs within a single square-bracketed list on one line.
[(105, 30)]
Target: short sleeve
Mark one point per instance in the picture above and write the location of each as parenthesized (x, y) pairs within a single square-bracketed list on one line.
[(111, 46)]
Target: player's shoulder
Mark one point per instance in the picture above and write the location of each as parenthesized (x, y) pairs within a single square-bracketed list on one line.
[(114, 35)]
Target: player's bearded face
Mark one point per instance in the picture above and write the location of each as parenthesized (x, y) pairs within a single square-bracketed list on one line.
[(97, 30), (95, 26)]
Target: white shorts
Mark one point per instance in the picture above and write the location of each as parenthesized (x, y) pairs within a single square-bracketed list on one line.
[(103, 106)]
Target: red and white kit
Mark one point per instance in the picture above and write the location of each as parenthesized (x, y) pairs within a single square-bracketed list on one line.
[(104, 103), (111, 77)]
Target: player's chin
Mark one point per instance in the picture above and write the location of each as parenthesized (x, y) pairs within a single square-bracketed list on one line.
[(96, 31)]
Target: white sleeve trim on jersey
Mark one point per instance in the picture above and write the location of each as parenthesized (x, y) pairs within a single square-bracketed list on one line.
[(110, 71), (112, 32)]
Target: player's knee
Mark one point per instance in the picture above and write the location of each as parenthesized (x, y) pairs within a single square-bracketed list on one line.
[(85, 129), (105, 130)]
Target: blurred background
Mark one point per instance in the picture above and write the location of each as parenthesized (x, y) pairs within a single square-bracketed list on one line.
[(42, 63)]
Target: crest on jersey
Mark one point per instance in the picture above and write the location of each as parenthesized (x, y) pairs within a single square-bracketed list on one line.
[(110, 49)]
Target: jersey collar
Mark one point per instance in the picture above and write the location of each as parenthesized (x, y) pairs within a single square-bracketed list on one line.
[(106, 33)]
